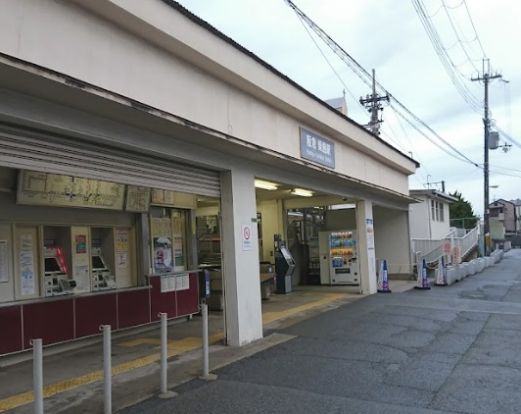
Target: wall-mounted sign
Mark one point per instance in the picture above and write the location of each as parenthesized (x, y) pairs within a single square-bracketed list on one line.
[(138, 199), (26, 263), (370, 233), (316, 148), (39, 188), (173, 198), (247, 237)]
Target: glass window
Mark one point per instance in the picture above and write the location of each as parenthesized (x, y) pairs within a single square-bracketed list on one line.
[(208, 240), (304, 226), (168, 230)]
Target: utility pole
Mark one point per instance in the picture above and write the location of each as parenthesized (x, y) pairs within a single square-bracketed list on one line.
[(372, 103), (486, 77)]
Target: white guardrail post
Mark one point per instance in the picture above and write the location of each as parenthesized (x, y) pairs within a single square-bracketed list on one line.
[(107, 368), (38, 375), (164, 393), (206, 358)]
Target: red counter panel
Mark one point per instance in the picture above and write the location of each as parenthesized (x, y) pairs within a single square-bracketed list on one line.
[(93, 311), (52, 321), (188, 300), (64, 318), (133, 308), (162, 302), (10, 329)]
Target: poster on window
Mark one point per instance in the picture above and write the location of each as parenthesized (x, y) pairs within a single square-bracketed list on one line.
[(26, 261), (80, 258), (4, 265), (81, 243), (163, 259), (121, 247)]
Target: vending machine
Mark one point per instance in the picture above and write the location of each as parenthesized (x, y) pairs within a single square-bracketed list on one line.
[(338, 258)]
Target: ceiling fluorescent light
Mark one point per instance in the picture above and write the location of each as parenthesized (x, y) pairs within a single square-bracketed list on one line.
[(265, 185), (302, 192)]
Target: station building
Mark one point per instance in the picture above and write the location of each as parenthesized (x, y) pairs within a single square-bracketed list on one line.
[(139, 145)]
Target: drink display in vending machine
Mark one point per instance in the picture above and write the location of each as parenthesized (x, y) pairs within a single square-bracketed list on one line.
[(338, 258)]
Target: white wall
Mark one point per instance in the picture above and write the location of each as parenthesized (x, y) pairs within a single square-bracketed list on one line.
[(419, 220), (423, 225), (341, 219), (441, 228), (391, 230)]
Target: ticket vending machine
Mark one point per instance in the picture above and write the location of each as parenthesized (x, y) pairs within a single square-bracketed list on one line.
[(56, 277), (102, 277), (284, 266), (338, 258)]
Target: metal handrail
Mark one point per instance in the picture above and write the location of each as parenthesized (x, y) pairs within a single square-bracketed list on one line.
[(432, 250)]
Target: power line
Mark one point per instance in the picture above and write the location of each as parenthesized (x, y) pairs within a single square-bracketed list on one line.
[(458, 38), (331, 66), (474, 28), (364, 75), (507, 136), (452, 69)]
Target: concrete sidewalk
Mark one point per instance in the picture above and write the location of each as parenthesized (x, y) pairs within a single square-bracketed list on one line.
[(448, 350), (73, 372)]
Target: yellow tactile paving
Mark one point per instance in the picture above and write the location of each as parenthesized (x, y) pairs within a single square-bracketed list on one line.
[(268, 317), (140, 341), (175, 347)]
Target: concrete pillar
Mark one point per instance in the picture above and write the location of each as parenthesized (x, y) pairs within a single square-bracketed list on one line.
[(240, 258), (367, 258)]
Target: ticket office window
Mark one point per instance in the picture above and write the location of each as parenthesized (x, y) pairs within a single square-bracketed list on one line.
[(81, 259), (169, 247)]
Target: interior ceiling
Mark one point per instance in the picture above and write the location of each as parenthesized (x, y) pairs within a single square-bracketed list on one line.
[(283, 192)]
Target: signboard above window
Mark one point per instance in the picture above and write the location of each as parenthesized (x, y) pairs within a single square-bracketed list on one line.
[(39, 188), (316, 148)]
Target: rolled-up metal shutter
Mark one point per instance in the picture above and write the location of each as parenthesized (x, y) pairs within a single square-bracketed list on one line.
[(29, 150)]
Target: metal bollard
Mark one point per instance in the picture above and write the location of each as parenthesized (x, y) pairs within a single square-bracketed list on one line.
[(107, 368), (164, 359), (206, 359), (38, 375)]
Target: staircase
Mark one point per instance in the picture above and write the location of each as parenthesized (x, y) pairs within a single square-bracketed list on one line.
[(460, 243)]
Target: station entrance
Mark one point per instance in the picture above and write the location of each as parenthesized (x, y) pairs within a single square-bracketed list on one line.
[(317, 229)]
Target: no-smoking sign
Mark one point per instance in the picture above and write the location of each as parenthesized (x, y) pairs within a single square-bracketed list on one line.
[(246, 233)]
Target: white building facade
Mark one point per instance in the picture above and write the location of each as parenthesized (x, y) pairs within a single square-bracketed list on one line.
[(162, 114), (429, 218)]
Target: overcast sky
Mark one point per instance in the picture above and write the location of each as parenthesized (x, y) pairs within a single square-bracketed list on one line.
[(387, 35)]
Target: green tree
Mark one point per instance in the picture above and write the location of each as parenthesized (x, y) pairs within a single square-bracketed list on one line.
[(461, 212)]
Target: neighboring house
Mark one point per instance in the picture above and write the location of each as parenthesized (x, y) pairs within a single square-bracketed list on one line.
[(429, 219), (497, 231), (339, 104), (517, 204), (505, 212)]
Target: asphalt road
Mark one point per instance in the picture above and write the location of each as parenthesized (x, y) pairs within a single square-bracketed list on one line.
[(448, 350)]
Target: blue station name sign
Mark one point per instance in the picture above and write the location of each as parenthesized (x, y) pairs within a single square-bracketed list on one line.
[(316, 148)]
